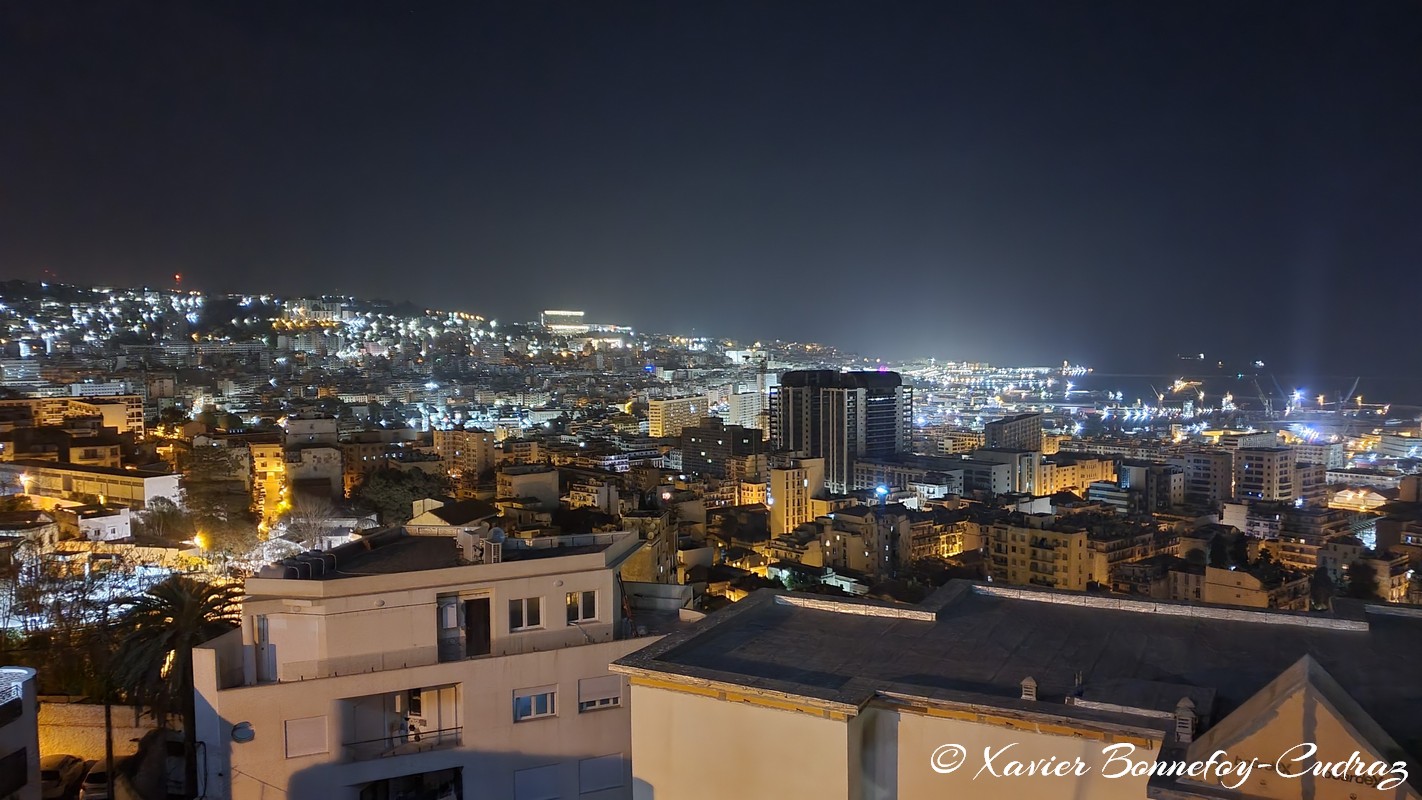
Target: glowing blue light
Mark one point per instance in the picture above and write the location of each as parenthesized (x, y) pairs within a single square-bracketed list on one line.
[(882, 490)]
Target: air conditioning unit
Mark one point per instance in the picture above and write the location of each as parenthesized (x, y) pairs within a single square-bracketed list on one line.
[(493, 552)]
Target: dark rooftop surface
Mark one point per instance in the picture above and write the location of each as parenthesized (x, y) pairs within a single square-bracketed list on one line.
[(392, 551), (968, 645), (52, 465)]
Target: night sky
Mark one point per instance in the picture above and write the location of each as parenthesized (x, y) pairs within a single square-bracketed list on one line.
[(1106, 182)]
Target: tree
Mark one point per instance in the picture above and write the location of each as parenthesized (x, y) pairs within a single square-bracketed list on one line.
[(1239, 549), (309, 517), (390, 492), (172, 415), (1321, 588), (156, 634), (1219, 552), (1362, 581), (218, 504), (165, 521)]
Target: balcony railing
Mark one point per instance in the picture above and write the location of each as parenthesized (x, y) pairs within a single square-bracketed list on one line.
[(357, 665), (404, 744)]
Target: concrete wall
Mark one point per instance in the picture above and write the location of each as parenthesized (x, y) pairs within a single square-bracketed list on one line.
[(689, 747), (332, 637), (78, 728), (493, 747), (898, 748)]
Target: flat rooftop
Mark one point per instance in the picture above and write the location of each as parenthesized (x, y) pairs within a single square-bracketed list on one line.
[(393, 551), (54, 466), (975, 643)]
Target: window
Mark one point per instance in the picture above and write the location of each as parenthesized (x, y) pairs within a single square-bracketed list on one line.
[(598, 693), (582, 607), (535, 703), (525, 613)]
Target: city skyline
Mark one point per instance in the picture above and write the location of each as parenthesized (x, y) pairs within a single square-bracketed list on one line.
[(926, 168)]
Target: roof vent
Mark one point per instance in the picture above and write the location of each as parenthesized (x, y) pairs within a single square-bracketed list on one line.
[(1029, 688), (1185, 721)]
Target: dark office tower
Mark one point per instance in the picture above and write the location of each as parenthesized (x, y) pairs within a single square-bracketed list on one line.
[(1022, 432), (840, 417), (711, 447)]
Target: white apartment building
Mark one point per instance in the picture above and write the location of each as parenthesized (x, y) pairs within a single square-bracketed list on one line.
[(426, 667), (19, 735)]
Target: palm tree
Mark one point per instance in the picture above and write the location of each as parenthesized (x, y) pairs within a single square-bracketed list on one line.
[(156, 633)]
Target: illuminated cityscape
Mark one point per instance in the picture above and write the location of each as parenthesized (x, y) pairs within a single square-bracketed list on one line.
[(687, 402)]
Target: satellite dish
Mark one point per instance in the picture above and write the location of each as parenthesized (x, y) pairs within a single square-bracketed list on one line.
[(496, 535), (242, 732)]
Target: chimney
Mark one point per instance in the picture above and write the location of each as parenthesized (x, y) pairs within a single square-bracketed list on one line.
[(1185, 721), (1029, 688)]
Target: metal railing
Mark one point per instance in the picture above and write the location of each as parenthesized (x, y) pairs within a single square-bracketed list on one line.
[(356, 665), (404, 744)]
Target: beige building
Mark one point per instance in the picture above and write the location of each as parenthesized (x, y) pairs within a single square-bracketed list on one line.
[(1028, 550), (668, 417), (407, 666), (809, 696), (268, 479), (530, 481), (1074, 473), (1265, 473), (1287, 591), (465, 454), (123, 412), (789, 491)]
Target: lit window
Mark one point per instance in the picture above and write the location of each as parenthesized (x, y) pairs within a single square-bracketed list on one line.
[(525, 613)]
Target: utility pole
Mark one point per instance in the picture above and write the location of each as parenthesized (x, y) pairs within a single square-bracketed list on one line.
[(108, 710)]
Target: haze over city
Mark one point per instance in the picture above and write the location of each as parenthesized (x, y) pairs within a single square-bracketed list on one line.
[(710, 400), (1111, 184)]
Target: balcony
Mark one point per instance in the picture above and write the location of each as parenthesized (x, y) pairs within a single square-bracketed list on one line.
[(400, 723), (404, 743)]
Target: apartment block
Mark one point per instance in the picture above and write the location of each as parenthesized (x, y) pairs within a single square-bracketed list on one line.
[(666, 417), (409, 666)]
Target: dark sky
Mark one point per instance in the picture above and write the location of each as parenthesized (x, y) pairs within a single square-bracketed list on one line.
[(1110, 182)]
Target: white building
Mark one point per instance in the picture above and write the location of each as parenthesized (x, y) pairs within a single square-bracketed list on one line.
[(19, 735), (425, 666), (129, 487)]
